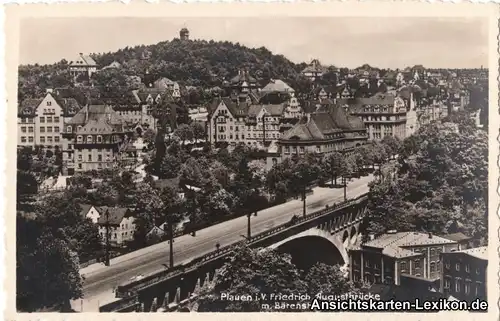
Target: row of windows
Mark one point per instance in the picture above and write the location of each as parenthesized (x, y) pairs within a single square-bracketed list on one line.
[(26, 120), (458, 267), (90, 159), (30, 129), (49, 129), (29, 139), (90, 139), (300, 149), (467, 286), (49, 119), (113, 236)]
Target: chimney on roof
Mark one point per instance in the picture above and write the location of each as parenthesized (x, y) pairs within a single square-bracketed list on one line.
[(371, 236), (49, 90), (430, 235), (81, 54)]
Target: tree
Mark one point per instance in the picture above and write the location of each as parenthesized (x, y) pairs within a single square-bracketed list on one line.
[(184, 132), (392, 145), (47, 272), (250, 272), (149, 136), (332, 165), (170, 167), (327, 280), (305, 170), (198, 130), (439, 185)]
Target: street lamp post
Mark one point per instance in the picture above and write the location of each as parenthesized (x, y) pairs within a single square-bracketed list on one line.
[(249, 232), (171, 241), (345, 188)]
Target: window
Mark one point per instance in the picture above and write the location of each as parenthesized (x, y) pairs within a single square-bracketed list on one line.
[(302, 149), (49, 119), (68, 129), (457, 266), (367, 263), (56, 139), (49, 139), (477, 271), (478, 288), (318, 149), (79, 166), (417, 264), (49, 103), (30, 139), (99, 139), (49, 129), (433, 252), (446, 283), (89, 139), (23, 120), (80, 157), (89, 157), (56, 119), (99, 158), (56, 129), (30, 129), (447, 264), (458, 285), (467, 268), (42, 129), (79, 139), (403, 266), (23, 129), (433, 267), (79, 128), (23, 139), (467, 287), (42, 139)]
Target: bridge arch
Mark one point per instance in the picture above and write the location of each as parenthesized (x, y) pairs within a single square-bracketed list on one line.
[(309, 250), (354, 235)]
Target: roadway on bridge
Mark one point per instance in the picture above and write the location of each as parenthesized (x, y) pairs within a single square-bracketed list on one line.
[(100, 280)]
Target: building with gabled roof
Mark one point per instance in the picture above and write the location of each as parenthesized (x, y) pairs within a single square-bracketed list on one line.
[(93, 138), (83, 64), (324, 131), (41, 120), (399, 257), (118, 222), (314, 70)]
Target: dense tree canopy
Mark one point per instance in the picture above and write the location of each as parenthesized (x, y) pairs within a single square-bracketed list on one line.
[(440, 185), (257, 272)]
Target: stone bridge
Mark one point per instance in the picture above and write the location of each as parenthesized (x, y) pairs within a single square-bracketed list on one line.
[(329, 232)]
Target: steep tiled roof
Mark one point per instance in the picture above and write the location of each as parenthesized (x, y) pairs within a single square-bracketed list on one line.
[(241, 77), (115, 215), (28, 106), (85, 209), (277, 85), (85, 59), (98, 119)]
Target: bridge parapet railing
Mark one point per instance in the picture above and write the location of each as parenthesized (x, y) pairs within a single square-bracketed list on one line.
[(120, 305), (126, 290)]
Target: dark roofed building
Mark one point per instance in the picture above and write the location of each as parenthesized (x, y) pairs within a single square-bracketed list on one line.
[(118, 223), (93, 139), (324, 131), (383, 114)]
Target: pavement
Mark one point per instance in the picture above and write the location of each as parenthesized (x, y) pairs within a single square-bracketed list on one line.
[(100, 280)]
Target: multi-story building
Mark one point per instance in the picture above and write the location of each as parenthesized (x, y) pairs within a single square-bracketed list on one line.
[(93, 139), (314, 70), (83, 65), (399, 257), (41, 121), (257, 121), (327, 130), (118, 222), (464, 274), (382, 114)]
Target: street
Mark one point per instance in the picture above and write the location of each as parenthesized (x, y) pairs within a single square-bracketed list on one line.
[(100, 280)]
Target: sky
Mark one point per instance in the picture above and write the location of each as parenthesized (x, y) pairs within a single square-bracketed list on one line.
[(344, 42)]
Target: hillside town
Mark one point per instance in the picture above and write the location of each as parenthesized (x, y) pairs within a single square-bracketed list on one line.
[(117, 159)]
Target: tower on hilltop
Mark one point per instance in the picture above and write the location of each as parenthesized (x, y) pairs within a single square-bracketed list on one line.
[(184, 34)]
